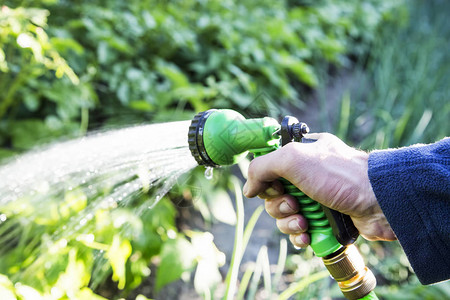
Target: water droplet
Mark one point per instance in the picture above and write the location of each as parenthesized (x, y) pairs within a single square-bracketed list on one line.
[(171, 234), (62, 243), (3, 218), (209, 172), (57, 293), (89, 238)]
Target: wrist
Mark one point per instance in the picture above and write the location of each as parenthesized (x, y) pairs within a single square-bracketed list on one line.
[(371, 221)]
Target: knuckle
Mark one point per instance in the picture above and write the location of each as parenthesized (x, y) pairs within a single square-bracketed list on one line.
[(291, 154), (291, 150), (252, 172), (294, 241), (281, 226), (269, 208), (326, 136)]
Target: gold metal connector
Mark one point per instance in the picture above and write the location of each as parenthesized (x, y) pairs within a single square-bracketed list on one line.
[(347, 267)]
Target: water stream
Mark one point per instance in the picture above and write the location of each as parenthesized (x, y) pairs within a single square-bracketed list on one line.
[(73, 180)]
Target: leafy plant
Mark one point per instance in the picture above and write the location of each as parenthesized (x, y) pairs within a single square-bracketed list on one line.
[(36, 79)]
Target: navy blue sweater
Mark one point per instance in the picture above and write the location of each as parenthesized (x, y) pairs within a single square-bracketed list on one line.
[(412, 186)]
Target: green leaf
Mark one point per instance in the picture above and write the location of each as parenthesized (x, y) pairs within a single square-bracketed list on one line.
[(31, 101), (222, 208), (304, 71), (26, 292), (344, 118), (28, 133), (177, 257), (75, 277), (103, 52), (6, 288), (65, 44), (123, 92), (173, 73), (3, 63), (118, 255), (5, 153), (88, 294), (149, 21), (209, 258), (141, 105)]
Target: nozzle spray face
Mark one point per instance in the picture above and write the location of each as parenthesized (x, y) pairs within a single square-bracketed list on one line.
[(224, 137), (195, 139)]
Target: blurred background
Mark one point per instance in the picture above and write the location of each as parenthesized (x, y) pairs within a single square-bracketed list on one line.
[(374, 72)]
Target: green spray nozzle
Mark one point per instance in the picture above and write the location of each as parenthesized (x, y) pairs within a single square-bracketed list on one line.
[(223, 137)]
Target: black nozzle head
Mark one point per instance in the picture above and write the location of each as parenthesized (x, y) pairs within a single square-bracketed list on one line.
[(195, 139), (292, 130)]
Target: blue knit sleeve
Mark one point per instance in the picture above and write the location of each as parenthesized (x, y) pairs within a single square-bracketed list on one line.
[(412, 186)]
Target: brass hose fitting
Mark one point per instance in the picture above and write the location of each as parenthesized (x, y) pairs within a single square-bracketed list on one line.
[(347, 267)]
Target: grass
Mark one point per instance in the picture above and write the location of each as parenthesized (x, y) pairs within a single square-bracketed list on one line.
[(404, 94), (259, 280)]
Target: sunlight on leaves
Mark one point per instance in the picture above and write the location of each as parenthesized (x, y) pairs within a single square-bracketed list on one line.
[(177, 257), (118, 255), (209, 259)]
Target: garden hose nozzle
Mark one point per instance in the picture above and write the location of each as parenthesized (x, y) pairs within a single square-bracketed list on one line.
[(223, 137)]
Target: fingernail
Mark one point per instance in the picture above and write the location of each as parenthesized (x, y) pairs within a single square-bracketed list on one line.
[(245, 189), (299, 240), (285, 208), (293, 225), (272, 192)]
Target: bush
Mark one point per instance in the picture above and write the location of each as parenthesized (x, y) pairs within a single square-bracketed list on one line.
[(149, 60)]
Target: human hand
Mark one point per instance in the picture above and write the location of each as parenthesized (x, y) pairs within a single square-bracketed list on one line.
[(328, 171)]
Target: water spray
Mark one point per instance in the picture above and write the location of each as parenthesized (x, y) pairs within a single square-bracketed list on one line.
[(224, 137)]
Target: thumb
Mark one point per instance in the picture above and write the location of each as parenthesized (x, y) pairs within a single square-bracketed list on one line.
[(281, 163)]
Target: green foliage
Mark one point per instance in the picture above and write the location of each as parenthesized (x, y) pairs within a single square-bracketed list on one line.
[(404, 95), (70, 66), (177, 257), (33, 72), (416, 292), (151, 59)]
